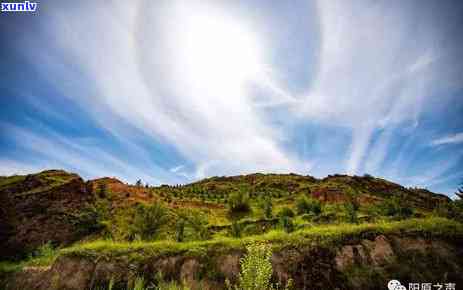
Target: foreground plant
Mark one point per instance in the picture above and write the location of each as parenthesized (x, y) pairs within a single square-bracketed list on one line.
[(256, 270)]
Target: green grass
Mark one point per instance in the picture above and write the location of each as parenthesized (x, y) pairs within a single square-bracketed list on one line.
[(43, 256), (5, 181), (320, 235)]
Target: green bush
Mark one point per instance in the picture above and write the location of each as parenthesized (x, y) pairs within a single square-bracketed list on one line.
[(351, 211), (256, 270), (286, 211), (192, 224), (266, 205), (94, 217), (394, 207), (238, 202), (43, 255), (305, 205), (236, 229), (286, 224), (139, 284), (148, 221), (180, 230), (451, 210)]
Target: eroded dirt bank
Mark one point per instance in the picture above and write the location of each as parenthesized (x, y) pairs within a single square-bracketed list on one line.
[(366, 263)]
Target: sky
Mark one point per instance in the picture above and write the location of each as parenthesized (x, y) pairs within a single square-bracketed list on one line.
[(172, 91)]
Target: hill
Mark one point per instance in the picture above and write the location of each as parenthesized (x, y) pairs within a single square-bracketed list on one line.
[(56, 225)]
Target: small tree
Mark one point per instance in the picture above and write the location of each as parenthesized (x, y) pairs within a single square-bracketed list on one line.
[(266, 205), (138, 183)]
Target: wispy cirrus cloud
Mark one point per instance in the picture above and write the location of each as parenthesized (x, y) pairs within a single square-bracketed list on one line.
[(450, 139), (149, 81), (52, 150), (219, 88), (374, 75)]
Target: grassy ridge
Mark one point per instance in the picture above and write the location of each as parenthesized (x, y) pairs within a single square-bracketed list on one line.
[(322, 235)]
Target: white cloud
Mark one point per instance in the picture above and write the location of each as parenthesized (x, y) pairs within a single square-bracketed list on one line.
[(372, 73), (147, 72), (182, 74), (450, 139), (13, 167), (51, 150)]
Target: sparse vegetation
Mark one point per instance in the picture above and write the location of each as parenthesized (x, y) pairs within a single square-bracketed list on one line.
[(226, 214)]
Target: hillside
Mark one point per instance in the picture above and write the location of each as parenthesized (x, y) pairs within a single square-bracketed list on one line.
[(98, 228)]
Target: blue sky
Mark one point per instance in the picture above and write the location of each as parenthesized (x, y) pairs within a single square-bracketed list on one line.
[(173, 91)]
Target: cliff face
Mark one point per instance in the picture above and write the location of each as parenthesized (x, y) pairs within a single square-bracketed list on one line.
[(40, 208), (367, 263)]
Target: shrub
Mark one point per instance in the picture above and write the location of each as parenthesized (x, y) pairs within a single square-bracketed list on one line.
[(139, 283), (451, 210), (326, 217), (193, 223), (236, 229), (256, 270), (253, 229), (351, 213), (238, 202), (305, 205), (149, 220), (286, 211), (180, 230), (394, 207), (95, 217), (43, 255), (307, 217), (287, 224), (266, 205)]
